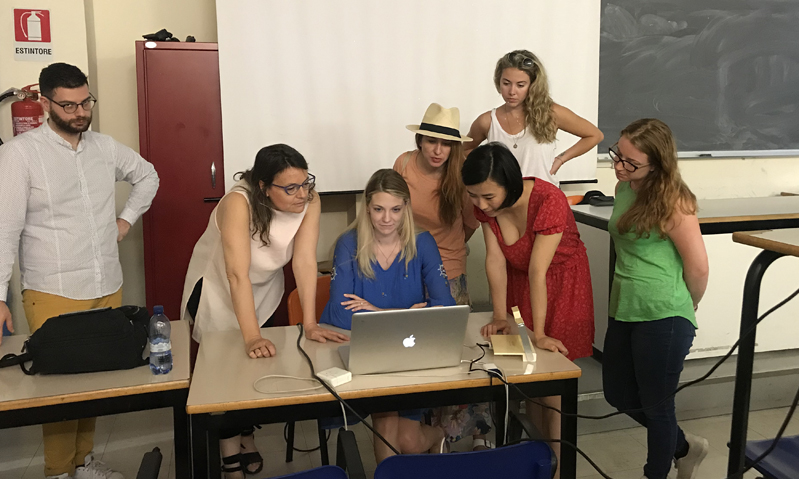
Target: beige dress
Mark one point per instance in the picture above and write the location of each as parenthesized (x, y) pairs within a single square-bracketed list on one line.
[(215, 311)]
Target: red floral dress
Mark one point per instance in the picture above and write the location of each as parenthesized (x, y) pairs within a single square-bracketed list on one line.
[(570, 301)]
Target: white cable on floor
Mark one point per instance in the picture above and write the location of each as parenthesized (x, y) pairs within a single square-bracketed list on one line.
[(344, 414)]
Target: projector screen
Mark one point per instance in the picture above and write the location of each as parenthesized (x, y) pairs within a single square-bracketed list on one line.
[(340, 79)]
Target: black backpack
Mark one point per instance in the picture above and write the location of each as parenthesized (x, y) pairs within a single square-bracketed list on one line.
[(85, 342)]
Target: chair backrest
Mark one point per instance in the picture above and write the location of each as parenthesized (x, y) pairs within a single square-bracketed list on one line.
[(528, 460), (323, 472), (573, 200), (322, 295)]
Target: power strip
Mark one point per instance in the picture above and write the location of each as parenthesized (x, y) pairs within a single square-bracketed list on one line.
[(335, 376)]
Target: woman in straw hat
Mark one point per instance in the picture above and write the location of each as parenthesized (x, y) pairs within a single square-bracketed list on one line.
[(529, 120), (440, 206)]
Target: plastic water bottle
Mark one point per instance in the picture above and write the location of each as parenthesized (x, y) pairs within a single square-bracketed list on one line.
[(160, 345)]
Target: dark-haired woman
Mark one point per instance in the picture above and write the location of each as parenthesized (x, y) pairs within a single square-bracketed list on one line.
[(235, 276), (534, 260)]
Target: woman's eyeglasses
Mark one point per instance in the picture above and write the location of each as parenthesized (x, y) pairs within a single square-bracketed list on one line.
[(616, 157), (292, 189)]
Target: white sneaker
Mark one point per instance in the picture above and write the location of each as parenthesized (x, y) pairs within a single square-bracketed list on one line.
[(95, 469), (688, 466), (60, 476)]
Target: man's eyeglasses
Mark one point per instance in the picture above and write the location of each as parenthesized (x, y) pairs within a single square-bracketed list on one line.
[(616, 157), (292, 190), (70, 107)]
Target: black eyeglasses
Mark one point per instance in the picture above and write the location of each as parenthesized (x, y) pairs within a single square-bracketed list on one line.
[(292, 190), (70, 107), (616, 157)]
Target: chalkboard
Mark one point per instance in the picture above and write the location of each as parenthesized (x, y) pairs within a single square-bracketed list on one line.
[(723, 74)]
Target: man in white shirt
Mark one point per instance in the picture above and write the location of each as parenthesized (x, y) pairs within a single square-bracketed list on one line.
[(57, 209)]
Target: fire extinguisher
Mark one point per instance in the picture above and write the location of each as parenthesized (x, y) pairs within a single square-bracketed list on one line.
[(27, 113)]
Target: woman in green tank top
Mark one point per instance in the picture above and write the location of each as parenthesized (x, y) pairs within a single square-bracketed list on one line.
[(660, 276)]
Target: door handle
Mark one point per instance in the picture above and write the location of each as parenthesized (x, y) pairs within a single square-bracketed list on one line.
[(213, 175), (212, 200)]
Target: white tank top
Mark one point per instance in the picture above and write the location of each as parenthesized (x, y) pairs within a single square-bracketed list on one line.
[(535, 159), (215, 311)]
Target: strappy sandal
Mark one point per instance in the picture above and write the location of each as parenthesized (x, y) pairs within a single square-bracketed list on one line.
[(250, 458), (228, 464)]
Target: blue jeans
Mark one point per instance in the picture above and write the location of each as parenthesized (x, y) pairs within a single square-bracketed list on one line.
[(641, 364)]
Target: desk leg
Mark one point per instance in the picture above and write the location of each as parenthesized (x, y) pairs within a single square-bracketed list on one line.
[(180, 424), (199, 446), (568, 430), (746, 357)]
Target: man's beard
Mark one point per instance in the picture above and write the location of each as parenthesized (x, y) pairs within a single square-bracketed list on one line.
[(74, 126)]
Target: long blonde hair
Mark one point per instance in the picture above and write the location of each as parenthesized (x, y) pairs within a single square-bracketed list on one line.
[(451, 190), (391, 182), (662, 190), (538, 115)]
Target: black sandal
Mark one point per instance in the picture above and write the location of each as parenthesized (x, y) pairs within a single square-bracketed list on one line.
[(250, 458), (228, 464)]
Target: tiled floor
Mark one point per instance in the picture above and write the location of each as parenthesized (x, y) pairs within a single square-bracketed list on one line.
[(122, 440)]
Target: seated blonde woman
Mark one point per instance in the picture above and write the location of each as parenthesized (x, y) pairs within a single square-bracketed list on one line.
[(383, 263)]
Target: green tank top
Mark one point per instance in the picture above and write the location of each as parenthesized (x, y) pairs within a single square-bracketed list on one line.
[(648, 280)]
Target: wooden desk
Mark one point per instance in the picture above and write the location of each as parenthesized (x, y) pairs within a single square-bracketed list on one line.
[(27, 400), (718, 219), (775, 244), (222, 392)]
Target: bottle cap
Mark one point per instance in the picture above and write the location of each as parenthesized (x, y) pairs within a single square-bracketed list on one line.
[(158, 309)]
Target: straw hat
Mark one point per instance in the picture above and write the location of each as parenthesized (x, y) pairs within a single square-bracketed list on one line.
[(440, 122)]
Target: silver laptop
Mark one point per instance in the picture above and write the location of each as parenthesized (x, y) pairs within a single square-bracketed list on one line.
[(405, 340)]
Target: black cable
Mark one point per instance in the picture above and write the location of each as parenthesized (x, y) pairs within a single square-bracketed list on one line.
[(335, 394), (286, 438), (689, 383)]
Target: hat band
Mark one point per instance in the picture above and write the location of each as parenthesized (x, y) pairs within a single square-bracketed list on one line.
[(440, 129)]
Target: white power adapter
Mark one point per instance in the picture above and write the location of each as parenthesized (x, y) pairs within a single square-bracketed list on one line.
[(335, 376)]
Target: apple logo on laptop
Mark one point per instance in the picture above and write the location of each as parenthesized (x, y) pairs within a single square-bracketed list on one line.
[(409, 342)]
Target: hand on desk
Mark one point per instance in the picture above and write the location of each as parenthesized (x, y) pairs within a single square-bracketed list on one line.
[(550, 344), (321, 335), (498, 326), (5, 318), (259, 348)]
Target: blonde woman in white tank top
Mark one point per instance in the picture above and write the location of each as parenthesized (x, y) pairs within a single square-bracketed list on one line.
[(269, 217), (529, 120)]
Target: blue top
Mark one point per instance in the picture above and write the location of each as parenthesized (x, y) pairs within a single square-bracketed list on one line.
[(394, 288)]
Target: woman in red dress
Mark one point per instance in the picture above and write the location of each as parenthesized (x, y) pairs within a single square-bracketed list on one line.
[(534, 260)]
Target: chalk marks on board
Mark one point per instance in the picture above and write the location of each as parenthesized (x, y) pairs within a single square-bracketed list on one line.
[(724, 74)]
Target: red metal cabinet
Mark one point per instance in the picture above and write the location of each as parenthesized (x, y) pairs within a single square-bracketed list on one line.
[(180, 133)]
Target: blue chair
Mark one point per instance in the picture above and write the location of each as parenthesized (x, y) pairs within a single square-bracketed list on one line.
[(323, 472), (782, 463), (528, 460), (348, 462)]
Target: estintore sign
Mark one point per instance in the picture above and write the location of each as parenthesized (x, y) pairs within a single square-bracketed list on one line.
[(32, 35)]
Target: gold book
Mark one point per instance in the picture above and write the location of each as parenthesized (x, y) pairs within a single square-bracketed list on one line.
[(507, 345)]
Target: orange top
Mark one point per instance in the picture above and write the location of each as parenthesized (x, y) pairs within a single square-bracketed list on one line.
[(424, 202)]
